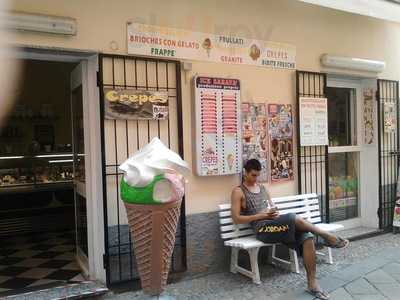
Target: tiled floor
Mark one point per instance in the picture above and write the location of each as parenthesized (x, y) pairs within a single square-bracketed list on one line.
[(33, 261)]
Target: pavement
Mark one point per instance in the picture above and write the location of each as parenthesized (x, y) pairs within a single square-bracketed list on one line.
[(367, 269)]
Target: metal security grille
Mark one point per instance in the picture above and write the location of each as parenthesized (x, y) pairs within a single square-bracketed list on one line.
[(312, 161), (121, 138), (388, 106)]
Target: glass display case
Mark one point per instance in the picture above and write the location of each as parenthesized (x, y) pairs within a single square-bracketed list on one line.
[(35, 171)]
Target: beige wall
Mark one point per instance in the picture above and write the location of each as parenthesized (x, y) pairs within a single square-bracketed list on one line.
[(313, 30)]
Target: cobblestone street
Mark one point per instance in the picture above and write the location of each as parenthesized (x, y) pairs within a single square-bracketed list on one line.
[(367, 269)]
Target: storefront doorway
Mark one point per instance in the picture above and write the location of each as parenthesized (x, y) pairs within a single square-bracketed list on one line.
[(47, 223), (355, 175), (344, 151), (122, 138)]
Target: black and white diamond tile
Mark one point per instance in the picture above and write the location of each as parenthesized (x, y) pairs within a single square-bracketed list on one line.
[(34, 261)]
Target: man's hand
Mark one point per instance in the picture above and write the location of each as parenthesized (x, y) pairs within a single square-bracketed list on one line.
[(269, 214)]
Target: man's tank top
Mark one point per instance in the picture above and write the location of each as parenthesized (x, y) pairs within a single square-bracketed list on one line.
[(255, 202)]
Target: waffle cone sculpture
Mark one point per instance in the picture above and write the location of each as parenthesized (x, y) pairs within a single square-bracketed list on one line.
[(153, 200), (153, 229)]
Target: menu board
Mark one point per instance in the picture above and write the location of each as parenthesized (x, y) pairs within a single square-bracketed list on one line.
[(254, 136), (313, 121), (280, 128), (218, 148)]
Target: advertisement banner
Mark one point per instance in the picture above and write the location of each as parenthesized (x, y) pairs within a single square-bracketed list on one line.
[(368, 116), (218, 150), (280, 128), (135, 105), (167, 42), (313, 121), (254, 136)]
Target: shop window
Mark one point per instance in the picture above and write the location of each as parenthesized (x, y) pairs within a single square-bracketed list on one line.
[(341, 113), (343, 186)]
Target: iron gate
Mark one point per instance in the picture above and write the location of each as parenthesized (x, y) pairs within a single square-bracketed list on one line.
[(312, 161), (120, 139), (388, 105)]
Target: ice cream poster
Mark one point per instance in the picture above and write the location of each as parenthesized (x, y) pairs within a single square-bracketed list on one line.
[(368, 117), (135, 105), (254, 136), (218, 148), (280, 129), (389, 117)]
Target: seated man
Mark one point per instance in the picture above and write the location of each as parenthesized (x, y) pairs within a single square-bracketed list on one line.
[(249, 205)]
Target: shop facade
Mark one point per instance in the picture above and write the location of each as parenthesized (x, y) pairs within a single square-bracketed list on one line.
[(355, 174)]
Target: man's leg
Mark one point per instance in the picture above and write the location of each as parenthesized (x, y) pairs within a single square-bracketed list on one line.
[(310, 265), (303, 225)]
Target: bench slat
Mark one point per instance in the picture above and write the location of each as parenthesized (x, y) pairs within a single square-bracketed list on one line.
[(295, 197), (237, 234), (297, 203), (315, 220), (234, 227), (226, 213), (314, 211), (223, 221), (224, 206), (299, 210)]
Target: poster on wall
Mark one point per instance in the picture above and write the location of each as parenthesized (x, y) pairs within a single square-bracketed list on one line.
[(135, 104), (368, 116), (313, 114), (218, 133), (280, 129), (254, 136), (176, 43), (389, 117), (396, 214)]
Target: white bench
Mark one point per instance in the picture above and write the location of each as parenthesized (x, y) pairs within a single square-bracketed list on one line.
[(242, 236)]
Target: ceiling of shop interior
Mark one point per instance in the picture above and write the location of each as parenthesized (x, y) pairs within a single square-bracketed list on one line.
[(381, 9)]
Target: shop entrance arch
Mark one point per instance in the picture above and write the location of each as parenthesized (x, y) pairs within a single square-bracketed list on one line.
[(121, 138)]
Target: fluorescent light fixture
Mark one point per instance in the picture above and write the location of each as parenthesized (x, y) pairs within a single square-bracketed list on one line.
[(60, 161), (53, 155), (12, 157), (40, 23), (352, 63)]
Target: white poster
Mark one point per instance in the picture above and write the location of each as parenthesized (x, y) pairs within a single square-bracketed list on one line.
[(218, 136), (389, 115), (313, 121), (184, 44)]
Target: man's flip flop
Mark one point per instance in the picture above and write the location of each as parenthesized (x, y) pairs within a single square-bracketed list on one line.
[(339, 244), (319, 294)]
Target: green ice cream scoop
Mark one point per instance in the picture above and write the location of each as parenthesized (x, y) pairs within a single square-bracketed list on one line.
[(140, 195)]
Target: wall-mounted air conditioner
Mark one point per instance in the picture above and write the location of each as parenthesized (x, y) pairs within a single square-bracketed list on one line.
[(39, 23), (352, 63)]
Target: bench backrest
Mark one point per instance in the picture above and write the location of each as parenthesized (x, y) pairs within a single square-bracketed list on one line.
[(305, 205)]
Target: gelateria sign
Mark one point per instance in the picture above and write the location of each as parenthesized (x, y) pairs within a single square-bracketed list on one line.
[(135, 105), (166, 42)]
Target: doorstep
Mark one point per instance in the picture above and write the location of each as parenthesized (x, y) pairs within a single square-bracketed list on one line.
[(359, 233), (69, 291)]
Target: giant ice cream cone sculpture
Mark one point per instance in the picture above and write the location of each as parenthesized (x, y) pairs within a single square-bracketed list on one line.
[(152, 189)]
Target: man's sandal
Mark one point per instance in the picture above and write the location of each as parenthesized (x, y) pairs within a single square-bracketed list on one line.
[(339, 244), (319, 294)]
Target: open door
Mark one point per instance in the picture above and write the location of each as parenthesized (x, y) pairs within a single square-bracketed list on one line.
[(78, 92)]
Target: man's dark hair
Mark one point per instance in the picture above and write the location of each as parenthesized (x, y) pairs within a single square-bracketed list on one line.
[(252, 164)]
